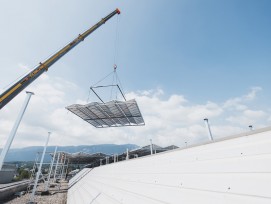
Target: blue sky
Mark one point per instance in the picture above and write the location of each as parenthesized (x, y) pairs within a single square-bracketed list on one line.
[(201, 51)]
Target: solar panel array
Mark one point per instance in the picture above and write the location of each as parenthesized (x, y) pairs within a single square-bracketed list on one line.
[(110, 114), (82, 157)]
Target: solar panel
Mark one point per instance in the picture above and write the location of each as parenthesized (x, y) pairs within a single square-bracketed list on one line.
[(83, 157), (110, 114)]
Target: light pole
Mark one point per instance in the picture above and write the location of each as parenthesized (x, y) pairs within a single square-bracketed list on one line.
[(208, 129), (151, 146), (14, 129)]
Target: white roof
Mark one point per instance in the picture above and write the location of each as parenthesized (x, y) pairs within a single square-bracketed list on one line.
[(236, 170)]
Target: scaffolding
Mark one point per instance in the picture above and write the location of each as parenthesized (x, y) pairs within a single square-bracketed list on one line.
[(56, 169)]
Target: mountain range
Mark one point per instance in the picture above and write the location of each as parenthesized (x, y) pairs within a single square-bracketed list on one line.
[(29, 153)]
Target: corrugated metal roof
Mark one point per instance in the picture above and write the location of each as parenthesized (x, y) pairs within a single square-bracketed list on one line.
[(111, 114), (235, 171)]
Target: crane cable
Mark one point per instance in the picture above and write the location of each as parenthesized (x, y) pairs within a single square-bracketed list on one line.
[(116, 52), (115, 57), (116, 43), (115, 77), (98, 83)]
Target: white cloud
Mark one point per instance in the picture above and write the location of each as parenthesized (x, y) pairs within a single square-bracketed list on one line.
[(238, 103), (239, 112), (254, 114), (248, 117), (252, 94), (169, 120), (24, 67)]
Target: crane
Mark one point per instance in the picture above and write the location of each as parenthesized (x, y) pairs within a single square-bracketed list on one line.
[(19, 85)]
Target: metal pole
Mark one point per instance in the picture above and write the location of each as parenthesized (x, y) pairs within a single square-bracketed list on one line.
[(208, 129), (39, 170), (250, 127), (127, 154), (63, 167), (67, 169), (34, 167), (50, 171), (14, 129), (151, 146), (56, 166)]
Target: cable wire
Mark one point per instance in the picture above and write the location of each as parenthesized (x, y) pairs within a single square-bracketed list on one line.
[(103, 79)]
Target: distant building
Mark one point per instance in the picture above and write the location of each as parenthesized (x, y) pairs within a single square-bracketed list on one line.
[(7, 173)]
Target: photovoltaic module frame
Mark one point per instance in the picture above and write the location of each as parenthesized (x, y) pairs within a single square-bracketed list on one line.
[(110, 114)]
